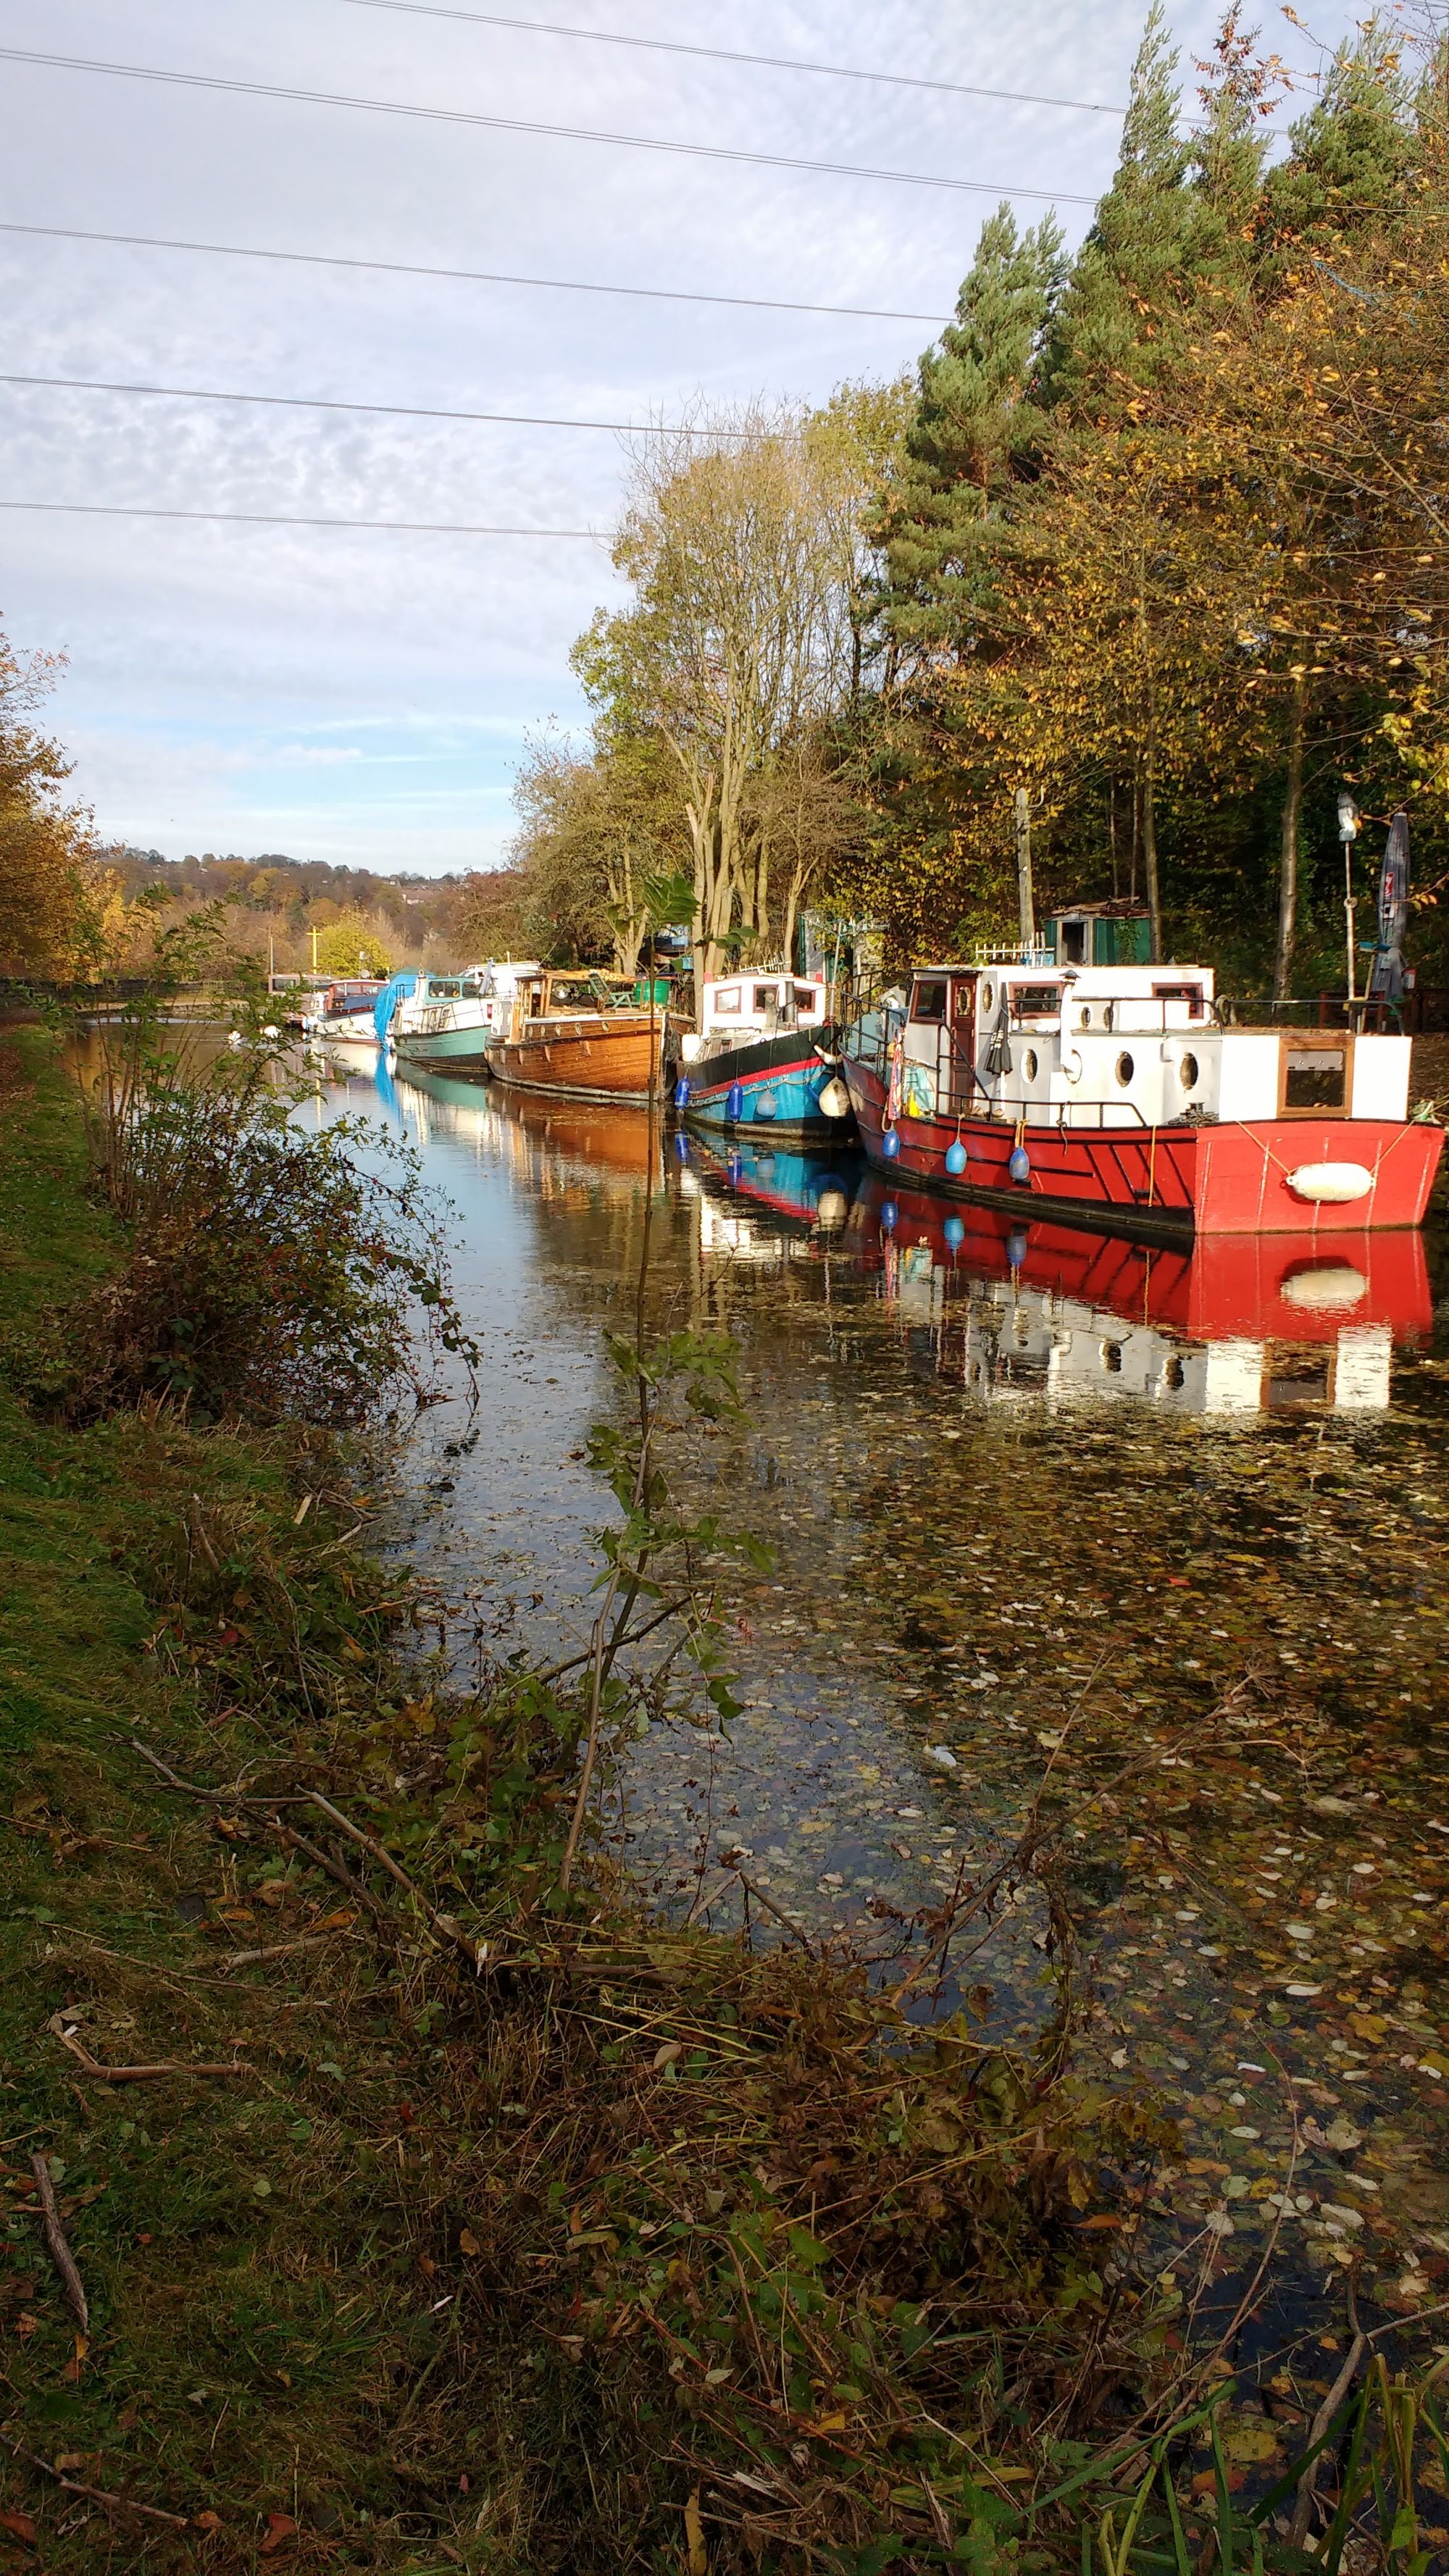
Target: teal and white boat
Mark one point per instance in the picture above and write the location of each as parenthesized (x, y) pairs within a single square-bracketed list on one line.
[(454, 1019)]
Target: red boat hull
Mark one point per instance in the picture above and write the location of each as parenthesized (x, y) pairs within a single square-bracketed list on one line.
[(1166, 1182)]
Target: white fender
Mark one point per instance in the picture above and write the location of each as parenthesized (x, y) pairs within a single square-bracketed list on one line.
[(1331, 1184), (834, 1100), (1328, 1288)]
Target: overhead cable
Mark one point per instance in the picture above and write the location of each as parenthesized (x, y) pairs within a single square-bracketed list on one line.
[(459, 116), (386, 411), (291, 519), (719, 54), (469, 276)]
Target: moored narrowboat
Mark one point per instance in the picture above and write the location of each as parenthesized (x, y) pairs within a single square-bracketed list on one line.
[(1118, 1097), (582, 1036), (761, 1057)]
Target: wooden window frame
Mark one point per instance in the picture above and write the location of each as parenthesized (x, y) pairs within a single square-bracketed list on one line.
[(1338, 1042)]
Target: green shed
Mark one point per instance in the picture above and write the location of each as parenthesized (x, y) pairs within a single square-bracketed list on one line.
[(1115, 933)]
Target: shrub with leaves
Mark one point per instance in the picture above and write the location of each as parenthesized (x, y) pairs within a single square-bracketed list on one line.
[(273, 1273)]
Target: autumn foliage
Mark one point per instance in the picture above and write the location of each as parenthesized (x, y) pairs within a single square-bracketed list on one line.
[(54, 896)]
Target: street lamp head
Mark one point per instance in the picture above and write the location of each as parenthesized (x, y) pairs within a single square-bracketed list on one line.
[(1347, 816)]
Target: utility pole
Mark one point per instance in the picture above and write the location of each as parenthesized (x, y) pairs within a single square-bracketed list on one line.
[(1026, 905), (1347, 829), (314, 948)]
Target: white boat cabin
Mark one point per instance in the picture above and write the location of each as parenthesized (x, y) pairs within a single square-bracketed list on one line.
[(1122, 1046), (739, 1010)]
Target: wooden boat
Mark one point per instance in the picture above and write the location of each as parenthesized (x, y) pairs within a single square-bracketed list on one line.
[(584, 1037), (761, 1058), (1116, 1097)]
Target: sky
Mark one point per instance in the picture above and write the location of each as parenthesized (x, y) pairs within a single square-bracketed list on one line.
[(364, 696)]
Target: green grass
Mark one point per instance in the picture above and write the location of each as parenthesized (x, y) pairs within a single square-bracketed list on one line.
[(636, 2254), (252, 2291)]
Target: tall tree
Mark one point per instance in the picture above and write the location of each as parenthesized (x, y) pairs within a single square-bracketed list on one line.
[(739, 641), (1113, 326), (973, 428), (53, 896)]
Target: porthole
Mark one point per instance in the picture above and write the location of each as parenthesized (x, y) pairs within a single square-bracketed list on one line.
[(1112, 1358), (1109, 1016), (1187, 1071), (1125, 1070), (988, 997), (1084, 1019), (1174, 1376), (1028, 1064)]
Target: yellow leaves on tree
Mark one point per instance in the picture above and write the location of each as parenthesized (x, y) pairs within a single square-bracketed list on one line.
[(53, 896), (351, 946)]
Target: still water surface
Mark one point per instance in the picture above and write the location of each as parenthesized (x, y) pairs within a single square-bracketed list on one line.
[(1177, 1523)]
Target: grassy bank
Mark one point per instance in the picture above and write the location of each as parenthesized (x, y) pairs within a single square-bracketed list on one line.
[(437, 2221)]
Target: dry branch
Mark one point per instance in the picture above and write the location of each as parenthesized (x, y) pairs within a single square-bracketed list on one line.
[(98, 2495), (60, 2253), (140, 2074)]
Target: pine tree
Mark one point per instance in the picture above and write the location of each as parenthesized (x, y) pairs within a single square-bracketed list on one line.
[(1351, 159), (974, 428), (1125, 283)]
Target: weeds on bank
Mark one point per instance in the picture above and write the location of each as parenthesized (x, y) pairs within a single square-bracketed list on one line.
[(520, 2233), (272, 1274)]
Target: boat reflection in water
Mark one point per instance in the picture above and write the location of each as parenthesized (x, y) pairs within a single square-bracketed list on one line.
[(765, 1203), (1231, 1325), (1240, 1325), (552, 1139)]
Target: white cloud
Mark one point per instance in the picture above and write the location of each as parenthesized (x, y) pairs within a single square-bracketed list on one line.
[(212, 667)]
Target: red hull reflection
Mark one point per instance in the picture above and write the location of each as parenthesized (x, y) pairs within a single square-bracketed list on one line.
[(1278, 1287)]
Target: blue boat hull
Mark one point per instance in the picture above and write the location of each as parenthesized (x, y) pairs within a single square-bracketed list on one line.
[(772, 1086)]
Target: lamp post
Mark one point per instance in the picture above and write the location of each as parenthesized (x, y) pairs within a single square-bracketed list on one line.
[(1347, 830)]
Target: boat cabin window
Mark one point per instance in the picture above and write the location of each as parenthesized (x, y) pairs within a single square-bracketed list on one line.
[(807, 1001), (727, 999), (1035, 1001), (928, 1002), (1315, 1077), (1074, 943), (1189, 993), (765, 997)]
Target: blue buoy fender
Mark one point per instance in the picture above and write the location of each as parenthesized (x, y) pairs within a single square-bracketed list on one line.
[(1020, 1164), (1016, 1247), (735, 1103), (765, 1104), (954, 1232), (956, 1158), (681, 1092), (890, 1144), (888, 1215)]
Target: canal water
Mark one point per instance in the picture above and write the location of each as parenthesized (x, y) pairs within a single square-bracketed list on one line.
[(1176, 1525)]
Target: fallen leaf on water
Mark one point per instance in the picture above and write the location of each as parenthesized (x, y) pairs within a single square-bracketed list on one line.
[(468, 2242), (280, 2527), (21, 2526)]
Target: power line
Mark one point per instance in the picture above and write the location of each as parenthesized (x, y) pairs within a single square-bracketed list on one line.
[(526, 125), (287, 519), (718, 54), (387, 411), (469, 276)]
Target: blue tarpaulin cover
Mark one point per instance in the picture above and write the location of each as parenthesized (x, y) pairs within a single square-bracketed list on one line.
[(395, 990)]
